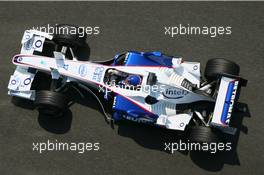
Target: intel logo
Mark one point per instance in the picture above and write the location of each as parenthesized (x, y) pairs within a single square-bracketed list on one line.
[(174, 93)]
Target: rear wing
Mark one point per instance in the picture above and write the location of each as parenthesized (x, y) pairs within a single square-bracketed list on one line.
[(228, 94)]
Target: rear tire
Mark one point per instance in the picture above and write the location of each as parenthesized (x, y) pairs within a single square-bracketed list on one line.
[(217, 67), (51, 103), (202, 134)]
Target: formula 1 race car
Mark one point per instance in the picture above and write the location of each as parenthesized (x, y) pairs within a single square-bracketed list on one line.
[(145, 87)]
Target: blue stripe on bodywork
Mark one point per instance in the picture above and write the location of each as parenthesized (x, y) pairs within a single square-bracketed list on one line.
[(227, 102)]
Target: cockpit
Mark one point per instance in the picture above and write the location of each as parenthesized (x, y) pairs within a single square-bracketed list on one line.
[(121, 79)]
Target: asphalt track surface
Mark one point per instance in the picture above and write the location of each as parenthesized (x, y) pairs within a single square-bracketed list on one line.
[(131, 148)]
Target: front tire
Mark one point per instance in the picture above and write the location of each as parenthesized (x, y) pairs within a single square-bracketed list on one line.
[(63, 38), (51, 103)]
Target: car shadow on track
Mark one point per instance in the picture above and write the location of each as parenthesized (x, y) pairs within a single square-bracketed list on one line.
[(215, 162), (53, 124), (62, 124), (23, 103), (56, 124), (155, 138)]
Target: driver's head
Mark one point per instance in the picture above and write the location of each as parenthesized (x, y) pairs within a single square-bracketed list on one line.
[(133, 80)]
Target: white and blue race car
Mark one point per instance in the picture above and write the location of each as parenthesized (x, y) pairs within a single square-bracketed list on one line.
[(146, 87)]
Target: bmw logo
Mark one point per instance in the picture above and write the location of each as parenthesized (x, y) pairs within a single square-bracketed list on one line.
[(13, 82), (38, 43), (27, 36), (19, 59), (27, 81), (181, 124), (82, 70)]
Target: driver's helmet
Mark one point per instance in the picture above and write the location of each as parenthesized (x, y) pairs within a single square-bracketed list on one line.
[(133, 80)]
